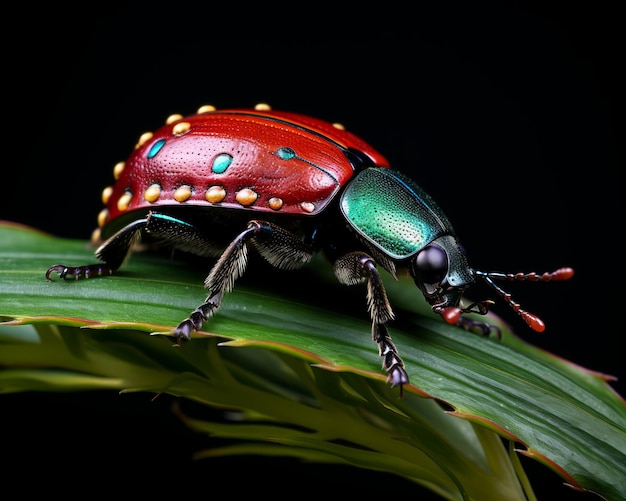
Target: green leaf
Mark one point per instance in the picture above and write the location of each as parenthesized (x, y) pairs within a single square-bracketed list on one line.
[(300, 368)]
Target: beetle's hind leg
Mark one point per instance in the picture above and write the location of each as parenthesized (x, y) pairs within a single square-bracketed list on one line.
[(113, 253), (354, 268)]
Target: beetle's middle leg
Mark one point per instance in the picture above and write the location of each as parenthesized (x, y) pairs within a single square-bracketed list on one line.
[(356, 267), (278, 246)]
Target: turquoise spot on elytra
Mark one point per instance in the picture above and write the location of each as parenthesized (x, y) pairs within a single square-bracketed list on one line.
[(286, 153), (221, 162), (156, 147)]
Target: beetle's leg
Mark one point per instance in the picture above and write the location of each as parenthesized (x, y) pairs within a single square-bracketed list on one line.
[(454, 316), (354, 268), (114, 252), (280, 247), (478, 327)]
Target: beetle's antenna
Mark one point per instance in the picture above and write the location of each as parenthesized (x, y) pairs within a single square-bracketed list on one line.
[(533, 321)]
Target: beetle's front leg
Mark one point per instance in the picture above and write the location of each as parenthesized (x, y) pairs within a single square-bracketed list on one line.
[(354, 268), (477, 326)]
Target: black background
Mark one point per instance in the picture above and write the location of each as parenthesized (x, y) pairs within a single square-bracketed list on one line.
[(509, 115)]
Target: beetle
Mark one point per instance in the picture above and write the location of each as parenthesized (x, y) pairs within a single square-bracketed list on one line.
[(220, 183)]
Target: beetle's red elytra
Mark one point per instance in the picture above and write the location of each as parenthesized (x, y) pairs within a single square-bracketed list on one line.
[(237, 159), (221, 183)]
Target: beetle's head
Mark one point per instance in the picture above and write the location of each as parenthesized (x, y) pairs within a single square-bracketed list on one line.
[(441, 271)]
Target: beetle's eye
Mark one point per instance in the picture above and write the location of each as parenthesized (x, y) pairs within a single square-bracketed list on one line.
[(431, 264)]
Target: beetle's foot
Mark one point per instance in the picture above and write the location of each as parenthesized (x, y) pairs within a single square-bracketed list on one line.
[(61, 269), (397, 376), (392, 363), (194, 322), (186, 327), (183, 331), (482, 328), (77, 272)]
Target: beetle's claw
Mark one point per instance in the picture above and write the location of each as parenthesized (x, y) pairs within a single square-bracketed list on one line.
[(183, 331), (61, 269), (186, 327), (397, 377)]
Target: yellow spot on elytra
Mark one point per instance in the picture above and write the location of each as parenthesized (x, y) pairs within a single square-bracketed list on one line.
[(207, 108), (246, 196), (143, 139), (339, 126), (180, 128), (215, 194), (95, 236), (173, 118), (275, 203), (307, 206), (263, 107), (152, 193), (183, 193), (124, 201), (102, 217), (106, 194), (118, 169)]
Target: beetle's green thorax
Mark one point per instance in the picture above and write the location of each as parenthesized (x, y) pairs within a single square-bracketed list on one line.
[(392, 212)]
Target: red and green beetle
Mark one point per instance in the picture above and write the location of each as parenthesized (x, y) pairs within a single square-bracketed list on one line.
[(222, 182)]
